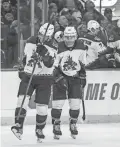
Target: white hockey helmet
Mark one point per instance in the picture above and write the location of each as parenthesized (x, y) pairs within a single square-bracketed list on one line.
[(70, 36), (93, 26), (58, 36), (49, 32), (118, 23)]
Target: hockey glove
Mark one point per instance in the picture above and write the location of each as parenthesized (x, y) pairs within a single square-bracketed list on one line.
[(107, 51), (41, 50), (21, 71), (46, 58)]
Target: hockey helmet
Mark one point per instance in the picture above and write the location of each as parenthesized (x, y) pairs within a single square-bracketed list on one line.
[(70, 36), (93, 26), (49, 33)]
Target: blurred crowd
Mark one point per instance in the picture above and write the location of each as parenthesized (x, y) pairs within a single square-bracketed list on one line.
[(60, 14), (9, 28)]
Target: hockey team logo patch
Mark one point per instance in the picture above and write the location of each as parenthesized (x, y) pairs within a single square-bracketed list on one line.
[(69, 64)]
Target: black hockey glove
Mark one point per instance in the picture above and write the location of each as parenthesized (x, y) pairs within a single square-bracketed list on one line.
[(46, 58), (41, 50), (107, 51), (21, 71), (60, 80)]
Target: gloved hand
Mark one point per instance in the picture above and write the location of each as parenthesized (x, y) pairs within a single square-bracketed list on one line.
[(20, 71), (60, 80), (108, 50), (41, 50), (47, 59)]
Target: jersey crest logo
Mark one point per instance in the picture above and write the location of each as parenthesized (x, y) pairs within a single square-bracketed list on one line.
[(69, 64), (31, 63)]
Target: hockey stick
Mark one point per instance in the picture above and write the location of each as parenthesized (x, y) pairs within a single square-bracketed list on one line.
[(83, 104), (31, 77)]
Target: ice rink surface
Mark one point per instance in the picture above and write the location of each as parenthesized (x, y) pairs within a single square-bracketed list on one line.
[(90, 135)]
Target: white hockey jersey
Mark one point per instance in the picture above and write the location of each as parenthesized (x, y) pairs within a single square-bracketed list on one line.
[(41, 69), (69, 60), (94, 46)]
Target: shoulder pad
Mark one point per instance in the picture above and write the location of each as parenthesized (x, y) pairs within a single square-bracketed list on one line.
[(80, 44), (92, 37), (32, 40)]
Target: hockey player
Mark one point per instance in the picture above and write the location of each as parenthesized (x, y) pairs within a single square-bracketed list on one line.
[(96, 41), (70, 75), (41, 82)]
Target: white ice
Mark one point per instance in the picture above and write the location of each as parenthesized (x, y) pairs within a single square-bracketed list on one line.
[(90, 135)]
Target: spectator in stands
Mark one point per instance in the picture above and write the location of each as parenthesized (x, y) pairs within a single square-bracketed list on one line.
[(82, 29), (12, 45), (8, 13), (60, 4), (13, 2), (79, 6), (53, 13), (38, 10), (91, 13), (108, 14), (107, 22), (78, 16), (63, 22), (67, 13), (118, 27)]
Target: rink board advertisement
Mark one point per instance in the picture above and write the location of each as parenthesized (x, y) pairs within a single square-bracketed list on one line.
[(102, 92)]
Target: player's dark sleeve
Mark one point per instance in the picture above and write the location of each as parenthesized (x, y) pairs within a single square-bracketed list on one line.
[(108, 50), (21, 68), (21, 71), (46, 58)]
